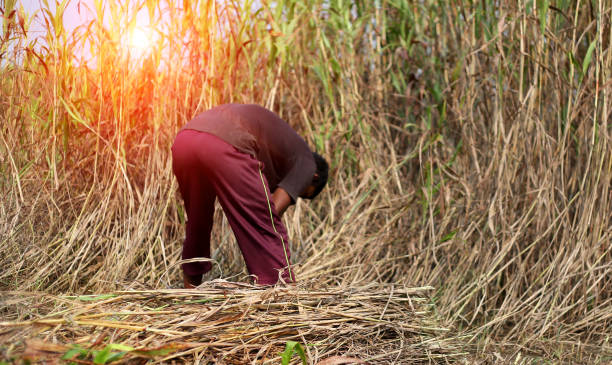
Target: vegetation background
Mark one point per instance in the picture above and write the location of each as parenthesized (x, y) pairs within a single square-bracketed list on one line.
[(469, 144)]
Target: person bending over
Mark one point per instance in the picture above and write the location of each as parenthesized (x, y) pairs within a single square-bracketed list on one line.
[(256, 165)]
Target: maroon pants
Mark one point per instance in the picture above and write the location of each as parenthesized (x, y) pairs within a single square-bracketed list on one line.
[(206, 168)]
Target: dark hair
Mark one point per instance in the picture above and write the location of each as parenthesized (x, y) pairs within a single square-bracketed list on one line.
[(319, 180)]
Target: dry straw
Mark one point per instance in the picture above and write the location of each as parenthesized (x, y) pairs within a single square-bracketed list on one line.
[(231, 323)]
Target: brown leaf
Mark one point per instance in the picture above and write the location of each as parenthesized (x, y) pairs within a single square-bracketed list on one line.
[(340, 360), (152, 352), (37, 349)]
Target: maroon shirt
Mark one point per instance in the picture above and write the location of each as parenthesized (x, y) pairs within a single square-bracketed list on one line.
[(287, 160)]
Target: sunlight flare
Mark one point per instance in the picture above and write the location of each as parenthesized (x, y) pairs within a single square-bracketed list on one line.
[(140, 41)]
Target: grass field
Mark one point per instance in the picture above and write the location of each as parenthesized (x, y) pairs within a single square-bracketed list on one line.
[(470, 149)]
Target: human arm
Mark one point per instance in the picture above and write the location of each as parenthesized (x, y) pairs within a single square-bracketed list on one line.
[(281, 200)]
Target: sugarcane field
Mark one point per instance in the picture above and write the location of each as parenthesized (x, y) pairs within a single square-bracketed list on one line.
[(318, 182)]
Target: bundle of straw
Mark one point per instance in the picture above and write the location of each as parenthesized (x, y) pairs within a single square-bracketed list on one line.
[(224, 322)]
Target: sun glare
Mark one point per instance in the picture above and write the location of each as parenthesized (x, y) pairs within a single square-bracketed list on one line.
[(140, 42)]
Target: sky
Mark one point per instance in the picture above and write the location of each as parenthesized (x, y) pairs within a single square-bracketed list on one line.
[(77, 13), (138, 41)]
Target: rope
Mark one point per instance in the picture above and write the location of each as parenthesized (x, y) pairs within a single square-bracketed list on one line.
[(273, 226)]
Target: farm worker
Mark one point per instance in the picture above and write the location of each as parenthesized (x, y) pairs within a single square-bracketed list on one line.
[(256, 165)]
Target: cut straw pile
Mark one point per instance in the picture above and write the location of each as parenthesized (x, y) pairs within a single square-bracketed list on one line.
[(227, 322)]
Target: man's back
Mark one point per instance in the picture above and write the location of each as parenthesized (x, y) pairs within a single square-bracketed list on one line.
[(287, 160)]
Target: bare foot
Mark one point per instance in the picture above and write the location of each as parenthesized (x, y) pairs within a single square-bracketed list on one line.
[(191, 281)]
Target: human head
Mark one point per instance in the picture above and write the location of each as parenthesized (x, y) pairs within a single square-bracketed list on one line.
[(319, 180)]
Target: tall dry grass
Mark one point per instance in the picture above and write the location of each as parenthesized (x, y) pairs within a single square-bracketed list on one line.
[(469, 142)]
